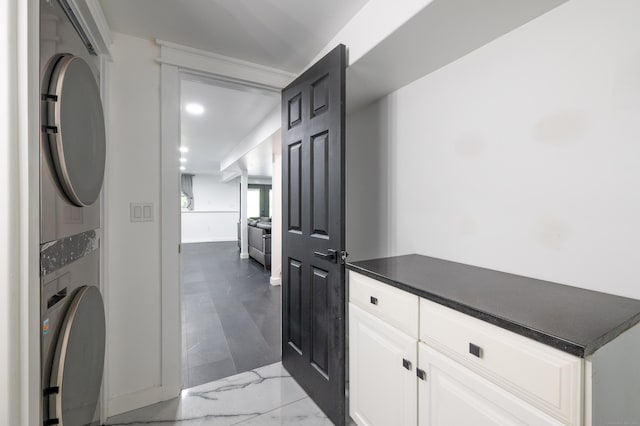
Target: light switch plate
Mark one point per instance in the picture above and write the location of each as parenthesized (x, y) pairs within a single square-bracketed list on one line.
[(141, 212)]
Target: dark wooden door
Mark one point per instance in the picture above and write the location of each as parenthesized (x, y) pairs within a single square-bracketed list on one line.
[(313, 290)]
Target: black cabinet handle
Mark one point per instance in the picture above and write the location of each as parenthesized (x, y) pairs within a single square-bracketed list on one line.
[(422, 375), (475, 350), (374, 300), (406, 364)]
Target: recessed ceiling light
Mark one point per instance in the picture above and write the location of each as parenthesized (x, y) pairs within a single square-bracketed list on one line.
[(184, 149), (183, 160), (195, 109), (183, 168)]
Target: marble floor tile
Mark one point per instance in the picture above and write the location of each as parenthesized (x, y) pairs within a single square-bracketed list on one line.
[(303, 412), (267, 391)]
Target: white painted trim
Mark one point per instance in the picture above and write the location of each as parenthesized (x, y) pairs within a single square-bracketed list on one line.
[(274, 281), (10, 382), (231, 69), (142, 398), (212, 240), (29, 149), (170, 230), (104, 240), (588, 391), (210, 211), (244, 235), (229, 82)]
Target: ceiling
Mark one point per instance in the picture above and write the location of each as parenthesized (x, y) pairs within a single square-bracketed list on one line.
[(230, 113), (282, 34)]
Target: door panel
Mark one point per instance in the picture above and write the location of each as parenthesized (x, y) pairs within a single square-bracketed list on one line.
[(454, 395), (295, 186), (320, 324), (313, 328), (320, 185), (294, 308)]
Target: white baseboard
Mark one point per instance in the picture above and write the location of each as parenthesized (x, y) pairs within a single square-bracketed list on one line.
[(244, 255), (210, 240), (132, 401), (275, 281)]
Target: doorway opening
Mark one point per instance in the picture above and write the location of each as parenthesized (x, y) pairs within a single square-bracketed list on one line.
[(231, 312)]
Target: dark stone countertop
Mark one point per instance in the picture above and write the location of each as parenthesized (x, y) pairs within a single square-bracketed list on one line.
[(571, 319)]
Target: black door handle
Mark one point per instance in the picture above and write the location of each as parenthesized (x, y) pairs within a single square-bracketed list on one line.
[(331, 255)]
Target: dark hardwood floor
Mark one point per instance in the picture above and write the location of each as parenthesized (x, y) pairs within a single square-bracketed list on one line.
[(230, 314)]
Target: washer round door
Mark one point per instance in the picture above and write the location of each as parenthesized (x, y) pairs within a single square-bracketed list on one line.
[(74, 122), (78, 362)]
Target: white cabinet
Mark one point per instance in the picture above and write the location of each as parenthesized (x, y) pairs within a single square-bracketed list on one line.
[(476, 373), (382, 362), (451, 394), (471, 372), (545, 377)]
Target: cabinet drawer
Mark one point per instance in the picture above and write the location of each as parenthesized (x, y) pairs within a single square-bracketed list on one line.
[(544, 376), (388, 303)]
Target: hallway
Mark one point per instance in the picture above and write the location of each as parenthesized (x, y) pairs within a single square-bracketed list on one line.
[(230, 314)]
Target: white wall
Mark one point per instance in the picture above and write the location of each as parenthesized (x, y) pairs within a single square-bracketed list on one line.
[(521, 156), (216, 211), (133, 251), (210, 194)]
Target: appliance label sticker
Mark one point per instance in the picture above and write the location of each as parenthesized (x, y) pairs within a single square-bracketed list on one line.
[(45, 327)]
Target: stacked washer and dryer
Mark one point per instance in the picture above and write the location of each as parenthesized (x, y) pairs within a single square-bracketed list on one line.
[(72, 162)]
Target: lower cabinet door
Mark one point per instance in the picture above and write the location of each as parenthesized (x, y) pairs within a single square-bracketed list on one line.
[(450, 394), (382, 372)]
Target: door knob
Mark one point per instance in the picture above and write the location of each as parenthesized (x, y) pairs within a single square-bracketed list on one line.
[(331, 255)]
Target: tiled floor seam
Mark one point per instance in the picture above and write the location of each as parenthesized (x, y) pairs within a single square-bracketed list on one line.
[(270, 411)]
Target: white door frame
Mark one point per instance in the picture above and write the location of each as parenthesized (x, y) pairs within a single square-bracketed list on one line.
[(176, 61), (19, 213)]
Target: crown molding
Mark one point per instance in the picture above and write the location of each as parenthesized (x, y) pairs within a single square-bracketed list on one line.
[(228, 68)]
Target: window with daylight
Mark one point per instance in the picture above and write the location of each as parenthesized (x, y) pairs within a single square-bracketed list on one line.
[(186, 191), (259, 200)]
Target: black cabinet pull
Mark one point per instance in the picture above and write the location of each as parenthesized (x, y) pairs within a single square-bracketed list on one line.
[(422, 375), (374, 300), (475, 350), (406, 364)]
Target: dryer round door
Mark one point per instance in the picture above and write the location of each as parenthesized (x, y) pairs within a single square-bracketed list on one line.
[(78, 362), (74, 122)]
